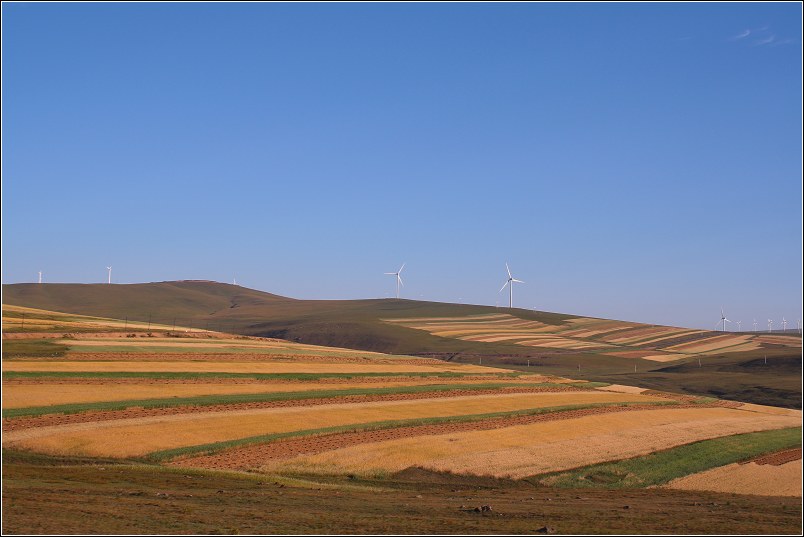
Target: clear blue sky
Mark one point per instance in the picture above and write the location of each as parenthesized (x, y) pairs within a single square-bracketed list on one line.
[(637, 162)]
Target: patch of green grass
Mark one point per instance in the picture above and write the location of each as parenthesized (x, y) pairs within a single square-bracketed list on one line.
[(663, 466), (256, 376), (589, 384), (215, 447), (230, 399), (33, 348)]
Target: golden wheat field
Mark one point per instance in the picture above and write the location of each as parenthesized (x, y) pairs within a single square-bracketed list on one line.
[(525, 450), (750, 478), (46, 394), (144, 435), (189, 366)]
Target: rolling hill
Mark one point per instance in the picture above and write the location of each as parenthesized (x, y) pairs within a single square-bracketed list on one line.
[(692, 361)]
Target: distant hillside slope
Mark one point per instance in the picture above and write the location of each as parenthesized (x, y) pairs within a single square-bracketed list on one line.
[(204, 304)]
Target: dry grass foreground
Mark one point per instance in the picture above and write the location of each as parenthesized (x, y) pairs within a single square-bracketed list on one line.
[(521, 451), (139, 436)]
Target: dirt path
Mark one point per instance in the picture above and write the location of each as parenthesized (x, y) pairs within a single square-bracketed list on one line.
[(250, 457), (47, 420), (777, 459)]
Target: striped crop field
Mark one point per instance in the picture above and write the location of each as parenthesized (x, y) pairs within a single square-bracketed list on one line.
[(208, 402), (201, 366), (522, 451), (597, 336), (146, 435), (43, 392)]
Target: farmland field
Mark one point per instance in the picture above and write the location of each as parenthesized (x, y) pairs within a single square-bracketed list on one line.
[(175, 414)]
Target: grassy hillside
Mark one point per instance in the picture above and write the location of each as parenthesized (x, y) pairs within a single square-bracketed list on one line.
[(219, 306)]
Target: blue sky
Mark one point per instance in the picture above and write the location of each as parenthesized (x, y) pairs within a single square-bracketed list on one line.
[(637, 162)]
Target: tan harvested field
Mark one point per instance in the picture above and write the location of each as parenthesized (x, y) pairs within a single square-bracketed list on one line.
[(751, 478), (144, 435), (665, 357), (708, 344), (521, 451), (645, 334), (77, 343), (46, 394), (239, 367), (620, 388)]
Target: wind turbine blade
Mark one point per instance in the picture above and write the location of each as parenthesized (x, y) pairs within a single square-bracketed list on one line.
[(509, 270), (515, 280), (398, 277), (503, 287), (400, 268), (390, 273)]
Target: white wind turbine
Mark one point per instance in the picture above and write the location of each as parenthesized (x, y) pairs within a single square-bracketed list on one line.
[(755, 325), (784, 324), (40, 276), (770, 325), (738, 323), (723, 319), (398, 278), (110, 273), (510, 283)]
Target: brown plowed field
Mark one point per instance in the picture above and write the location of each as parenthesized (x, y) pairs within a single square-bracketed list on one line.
[(777, 459), (256, 455), (47, 420)]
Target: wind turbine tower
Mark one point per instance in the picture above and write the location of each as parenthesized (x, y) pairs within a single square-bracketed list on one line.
[(398, 278), (723, 319), (110, 274), (784, 324), (755, 325), (40, 276), (770, 325), (510, 283)]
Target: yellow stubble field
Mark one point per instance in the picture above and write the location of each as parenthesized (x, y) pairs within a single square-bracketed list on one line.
[(525, 450), (139, 436)]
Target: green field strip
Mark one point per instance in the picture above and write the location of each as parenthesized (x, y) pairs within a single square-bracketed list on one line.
[(9, 375), (589, 384), (215, 447), (207, 400), (663, 466)]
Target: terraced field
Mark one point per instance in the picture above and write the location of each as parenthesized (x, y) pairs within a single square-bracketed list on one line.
[(599, 336), (212, 402)]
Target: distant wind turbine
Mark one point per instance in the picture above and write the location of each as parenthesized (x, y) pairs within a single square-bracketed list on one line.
[(110, 273), (784, 324), (755, 325), (398, 278), (510, 283), (770, 325), (738, 323), (234, 281), (40, 276), (723, 319)]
